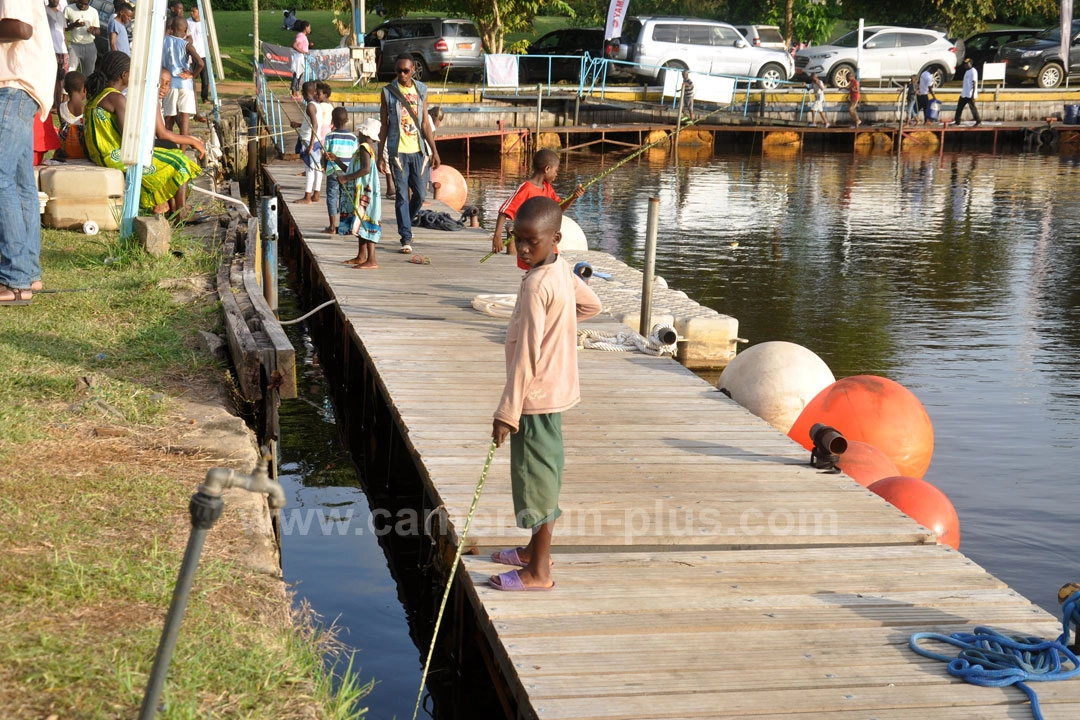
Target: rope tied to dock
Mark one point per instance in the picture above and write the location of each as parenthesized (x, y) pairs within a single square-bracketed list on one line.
[(990, 659), (626, 341)]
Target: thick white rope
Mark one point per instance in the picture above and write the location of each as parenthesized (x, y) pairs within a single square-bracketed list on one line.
[(627, 341)]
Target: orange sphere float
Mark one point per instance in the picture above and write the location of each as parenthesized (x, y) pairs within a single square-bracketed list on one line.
[(924, 504), (450, 186), (876, 411), (865, 464)]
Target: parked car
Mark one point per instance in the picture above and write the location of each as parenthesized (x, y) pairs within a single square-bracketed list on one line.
[(766, 36), (1038, 58), (573, 42), (899, 51), (680, 43), (983, 47), (437, 45)]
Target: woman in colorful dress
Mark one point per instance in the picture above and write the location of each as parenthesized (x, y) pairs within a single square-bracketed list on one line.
[(164, 181)]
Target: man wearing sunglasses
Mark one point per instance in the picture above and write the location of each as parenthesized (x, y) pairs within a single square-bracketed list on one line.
[(406, 145)]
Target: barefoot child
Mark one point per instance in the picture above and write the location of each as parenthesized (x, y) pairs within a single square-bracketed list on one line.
[(72, 145), (338, 150), (541, 382), (545, 169), (366, 199)]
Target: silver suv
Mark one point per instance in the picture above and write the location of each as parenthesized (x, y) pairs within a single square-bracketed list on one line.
[(437, 45), (705, 46), (899, 52)]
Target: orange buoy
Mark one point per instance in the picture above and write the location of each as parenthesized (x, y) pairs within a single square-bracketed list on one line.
[(876, 411), (865, 464), (450, 186), (923, 503)]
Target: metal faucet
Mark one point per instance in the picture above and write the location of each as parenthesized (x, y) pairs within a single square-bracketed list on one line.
[(219, 479)]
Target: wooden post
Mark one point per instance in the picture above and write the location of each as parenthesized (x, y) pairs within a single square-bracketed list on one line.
[(255, 30), (645, 320)]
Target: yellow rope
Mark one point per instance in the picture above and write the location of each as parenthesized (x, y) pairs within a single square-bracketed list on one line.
[(450, 580)]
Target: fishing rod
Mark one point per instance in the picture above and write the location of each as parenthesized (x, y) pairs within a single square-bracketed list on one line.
[(597, 178)]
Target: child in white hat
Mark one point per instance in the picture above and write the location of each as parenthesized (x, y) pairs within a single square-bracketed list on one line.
[(367, 197)]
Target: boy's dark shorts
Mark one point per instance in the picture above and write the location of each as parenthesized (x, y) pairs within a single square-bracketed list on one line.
[(536, 468)]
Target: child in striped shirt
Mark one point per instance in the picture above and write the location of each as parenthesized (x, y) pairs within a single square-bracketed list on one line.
[(338, 150)]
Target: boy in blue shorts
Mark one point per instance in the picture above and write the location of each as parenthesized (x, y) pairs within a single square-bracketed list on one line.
[(541, 382)]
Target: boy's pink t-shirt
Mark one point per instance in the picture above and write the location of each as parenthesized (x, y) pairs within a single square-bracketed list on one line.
[(541, 343)]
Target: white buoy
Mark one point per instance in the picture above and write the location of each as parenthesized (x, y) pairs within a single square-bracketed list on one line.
[(90, 227), (572, 236), (775, 380)]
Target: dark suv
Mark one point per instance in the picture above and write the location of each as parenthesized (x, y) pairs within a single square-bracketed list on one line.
[(437, 45), (983, 47), (1039, 58), (571, 42)]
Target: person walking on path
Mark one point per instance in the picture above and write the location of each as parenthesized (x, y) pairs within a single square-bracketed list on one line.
[(907, 99), (541, 383), (968, 94), (818, 108), (298, 62), (925, 92), (854, 95), (688, 95), (405, 143), (27, 81), (84, 24)]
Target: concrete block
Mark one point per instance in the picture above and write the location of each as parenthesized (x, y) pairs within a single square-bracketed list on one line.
[(706, 341), (154, 234), (632, 318)]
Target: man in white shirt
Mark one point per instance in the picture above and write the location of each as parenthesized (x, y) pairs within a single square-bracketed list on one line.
[(197, 34), (84, 24), (924, 93), (27, 76), (968, 93)]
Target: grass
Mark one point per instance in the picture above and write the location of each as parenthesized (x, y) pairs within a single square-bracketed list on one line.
[(93, 524)]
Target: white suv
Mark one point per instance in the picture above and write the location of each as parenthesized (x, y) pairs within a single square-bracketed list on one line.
[(705, 46), (900, 52)]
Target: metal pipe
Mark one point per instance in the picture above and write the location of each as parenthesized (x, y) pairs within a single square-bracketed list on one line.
[(645, 320), (268, 221), (665, 334), (539, 100)]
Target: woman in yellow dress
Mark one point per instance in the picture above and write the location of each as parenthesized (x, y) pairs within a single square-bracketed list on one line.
[(164, 181)]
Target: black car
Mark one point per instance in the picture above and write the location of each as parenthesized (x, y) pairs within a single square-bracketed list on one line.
[(573, 42), (983, 47), (1039, 58)]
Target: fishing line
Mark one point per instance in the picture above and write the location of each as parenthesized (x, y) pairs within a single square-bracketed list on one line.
[(597, 178), (450, 580)]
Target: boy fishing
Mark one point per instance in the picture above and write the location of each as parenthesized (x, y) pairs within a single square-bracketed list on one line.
[(338, 150), (545, 165), (541, 382)]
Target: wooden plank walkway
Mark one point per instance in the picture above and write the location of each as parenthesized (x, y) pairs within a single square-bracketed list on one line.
[(703, 568)]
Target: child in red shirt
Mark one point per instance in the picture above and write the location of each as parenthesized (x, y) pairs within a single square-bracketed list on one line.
[(545, 170)]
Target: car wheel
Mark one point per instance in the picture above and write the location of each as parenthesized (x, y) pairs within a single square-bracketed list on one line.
[(1050, 76), (420, 68), (675, 65), (771, 76), (840, 76), (937, 75)]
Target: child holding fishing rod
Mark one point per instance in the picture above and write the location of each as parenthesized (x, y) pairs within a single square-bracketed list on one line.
[(541, 383), (545, 165)]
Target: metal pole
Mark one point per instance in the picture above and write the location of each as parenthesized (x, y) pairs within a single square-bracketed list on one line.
[(268, 216), (577, 106), (539, 98), (205, 511), (645, 322), (253, 161)]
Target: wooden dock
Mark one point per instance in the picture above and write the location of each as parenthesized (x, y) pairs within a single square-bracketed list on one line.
[(703, 568)]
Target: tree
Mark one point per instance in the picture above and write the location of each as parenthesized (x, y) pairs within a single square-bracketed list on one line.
[(496, 18)]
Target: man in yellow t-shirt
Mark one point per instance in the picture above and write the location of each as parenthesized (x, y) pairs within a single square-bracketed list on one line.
[(405, 147)]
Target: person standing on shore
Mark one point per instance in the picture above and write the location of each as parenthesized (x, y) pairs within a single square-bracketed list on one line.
[(818, 108), (84, 24), (968, 94)]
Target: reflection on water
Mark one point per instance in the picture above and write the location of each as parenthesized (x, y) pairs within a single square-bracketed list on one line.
[(956, 275)]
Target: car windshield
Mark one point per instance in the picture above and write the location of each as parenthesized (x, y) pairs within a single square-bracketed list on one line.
[(848, 41), (770, 35), (1053, 33)]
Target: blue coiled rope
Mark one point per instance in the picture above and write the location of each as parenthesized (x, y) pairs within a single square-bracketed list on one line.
[(990, 659)]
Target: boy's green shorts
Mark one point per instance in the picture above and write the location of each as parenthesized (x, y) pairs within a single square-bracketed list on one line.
[(536, 468)]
